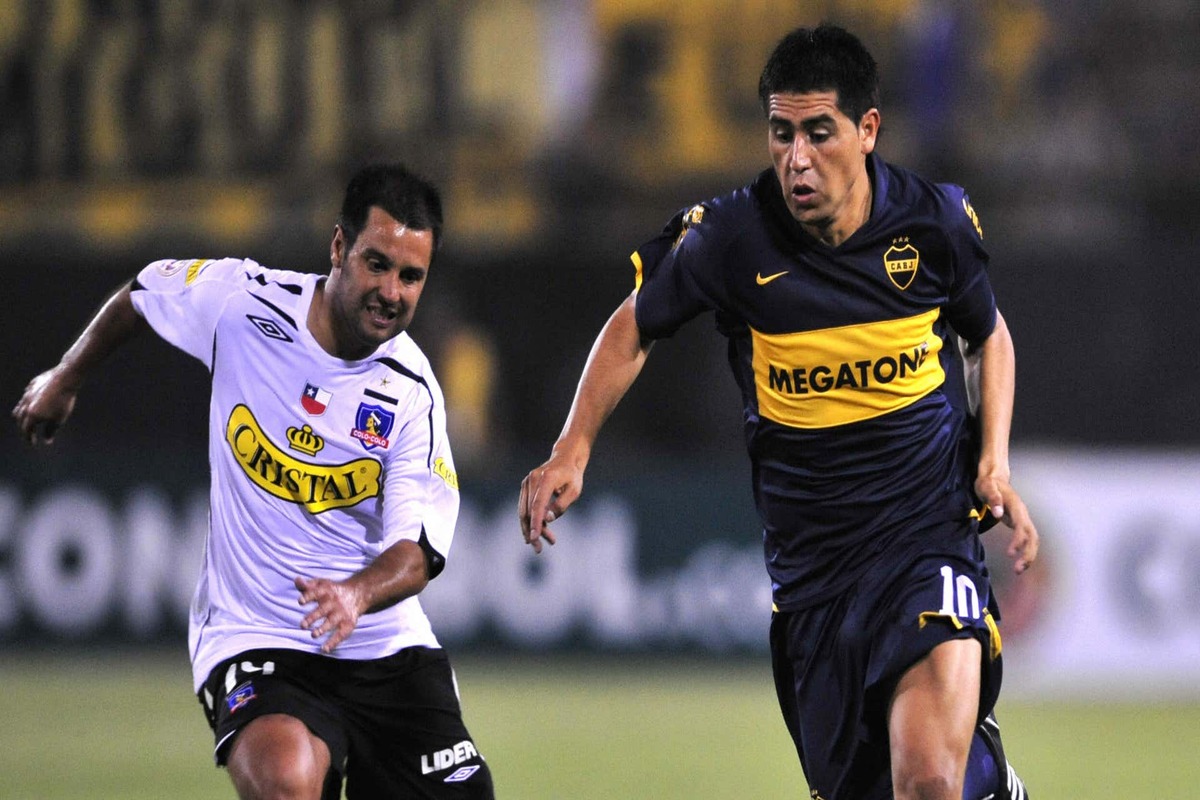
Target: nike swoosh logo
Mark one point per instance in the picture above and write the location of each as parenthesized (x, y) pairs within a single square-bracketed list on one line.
[(761, 281)]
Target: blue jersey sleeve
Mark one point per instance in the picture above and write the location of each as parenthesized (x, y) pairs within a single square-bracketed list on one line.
[(971, 308), (678, 273)]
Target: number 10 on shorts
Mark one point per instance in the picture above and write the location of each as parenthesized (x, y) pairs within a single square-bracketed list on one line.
[(960, 598)]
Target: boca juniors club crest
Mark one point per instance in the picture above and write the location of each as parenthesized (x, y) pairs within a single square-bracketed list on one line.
[(901, 261), (372, 424), (315, 399)]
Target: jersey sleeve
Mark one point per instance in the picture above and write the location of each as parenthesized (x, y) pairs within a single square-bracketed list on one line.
[(676, 273), (182, 300), (420, 491), (971, 309)]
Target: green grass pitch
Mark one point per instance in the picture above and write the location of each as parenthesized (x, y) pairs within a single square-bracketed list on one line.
[(126, 727)]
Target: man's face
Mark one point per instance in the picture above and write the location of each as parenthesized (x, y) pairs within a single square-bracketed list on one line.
[(820, 159), (374, 285)]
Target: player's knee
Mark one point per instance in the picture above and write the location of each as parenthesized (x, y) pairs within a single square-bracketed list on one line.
[(277, 779), (927, 779), (933, 772), (273, 759)]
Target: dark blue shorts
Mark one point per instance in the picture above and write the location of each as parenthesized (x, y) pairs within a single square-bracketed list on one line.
[(837, 664), (393, 725)]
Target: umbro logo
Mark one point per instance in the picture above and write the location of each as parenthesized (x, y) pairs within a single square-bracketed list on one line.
[(269, 328), (460, 775), (761, 281)]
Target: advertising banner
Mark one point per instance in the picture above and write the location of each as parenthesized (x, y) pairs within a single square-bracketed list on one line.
[(659, 562), (1110, 606)]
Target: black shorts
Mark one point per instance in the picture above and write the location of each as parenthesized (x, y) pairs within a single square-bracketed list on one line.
[(393, 725), (837, 664)]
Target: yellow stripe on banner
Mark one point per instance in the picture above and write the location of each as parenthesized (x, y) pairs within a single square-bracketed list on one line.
[(834, 376), (637, 266)]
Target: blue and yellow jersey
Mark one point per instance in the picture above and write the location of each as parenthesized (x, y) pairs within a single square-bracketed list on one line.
[(855, 413)]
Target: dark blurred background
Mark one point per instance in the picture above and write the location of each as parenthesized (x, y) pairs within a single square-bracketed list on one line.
[(563, 135)]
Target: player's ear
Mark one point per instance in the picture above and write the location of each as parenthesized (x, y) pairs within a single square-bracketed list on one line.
[(868, 130), (336, 247)]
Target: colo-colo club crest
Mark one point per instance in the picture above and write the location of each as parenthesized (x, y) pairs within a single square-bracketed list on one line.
[(901, 261), (372, 424)]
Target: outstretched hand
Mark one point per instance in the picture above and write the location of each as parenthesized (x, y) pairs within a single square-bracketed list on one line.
[(1007, 506), (45, 405), (546, 493), (338, 609)]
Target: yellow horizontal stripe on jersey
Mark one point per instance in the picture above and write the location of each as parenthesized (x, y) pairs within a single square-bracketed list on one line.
[(636, 258), (834, 376)]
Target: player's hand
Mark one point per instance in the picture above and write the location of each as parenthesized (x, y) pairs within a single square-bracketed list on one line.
[(1007, 506), (338, 609), (546, 493), (45, 405)]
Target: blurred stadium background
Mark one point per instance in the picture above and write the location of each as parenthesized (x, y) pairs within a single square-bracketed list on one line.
[(631, 661)]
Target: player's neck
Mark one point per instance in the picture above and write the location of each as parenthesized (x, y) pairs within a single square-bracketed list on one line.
[(856, 213), (320, 321)]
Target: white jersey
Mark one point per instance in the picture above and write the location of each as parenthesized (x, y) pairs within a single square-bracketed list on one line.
[(318, 464)]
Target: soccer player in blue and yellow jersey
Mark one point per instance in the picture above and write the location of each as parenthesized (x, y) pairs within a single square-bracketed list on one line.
[(845, 286)]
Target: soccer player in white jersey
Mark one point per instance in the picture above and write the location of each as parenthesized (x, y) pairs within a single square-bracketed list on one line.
[(333, 503)]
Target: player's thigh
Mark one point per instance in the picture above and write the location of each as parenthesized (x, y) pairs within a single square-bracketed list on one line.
[(292, 690), (406, 731), (937, 599), (276, 755), (838, 665), (933, 711)]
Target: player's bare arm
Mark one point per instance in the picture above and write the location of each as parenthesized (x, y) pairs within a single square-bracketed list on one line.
[(613, 365), (397, 573), (49, 399), (997, 380)]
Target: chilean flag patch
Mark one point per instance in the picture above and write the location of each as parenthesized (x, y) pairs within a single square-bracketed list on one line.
[(315, 399)]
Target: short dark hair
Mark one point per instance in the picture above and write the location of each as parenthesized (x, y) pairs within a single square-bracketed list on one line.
[(408, 198), (825, 58)]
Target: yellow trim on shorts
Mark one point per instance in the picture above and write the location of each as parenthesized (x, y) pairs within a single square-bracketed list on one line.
[(995, 644), (924, 617)]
